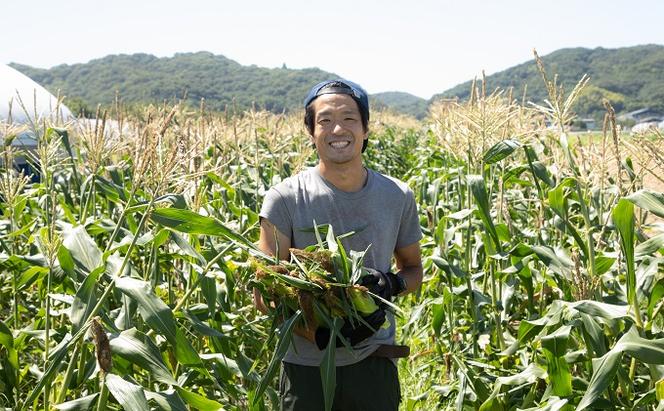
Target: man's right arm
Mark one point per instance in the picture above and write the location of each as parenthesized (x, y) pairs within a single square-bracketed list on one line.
[(271, 240)]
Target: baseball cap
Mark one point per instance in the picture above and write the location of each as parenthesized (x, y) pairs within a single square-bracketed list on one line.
[(329, 87)]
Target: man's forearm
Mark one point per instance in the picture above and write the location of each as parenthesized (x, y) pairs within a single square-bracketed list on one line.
[(412, 276), (409, 264)]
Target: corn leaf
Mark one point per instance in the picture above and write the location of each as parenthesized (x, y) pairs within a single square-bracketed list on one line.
[(159, 317), (649, 200), (513, 173), (193, 223), (438, 311), (85, 299), (594, 335), (463, 387), (500, 150), (478, 188), (153, 310), (472, 378), (603, 263), (129, 395), (555, 347), (297, 282), (659, 390), (111, 191), (82, 248), (343, 259), (557, 262), (605, 311), (167, 400), (184, 351), (529, 375), (6, 337), (650, 246), (558, 203), (649, 351), (7, 340), (604, 368), (623, 218), (198, 401), (539, 169), (328, 368), (79, 404), (198, 325), (177, 201), (186, 248), (285, 337), (556, 342), (552, 404), (55, 360), (138, 349), (127, 310), (229, 365)]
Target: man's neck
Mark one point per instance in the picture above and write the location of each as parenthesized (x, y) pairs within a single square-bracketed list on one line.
[(349, 178)]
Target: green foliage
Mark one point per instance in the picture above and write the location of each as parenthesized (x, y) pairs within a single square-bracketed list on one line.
[(628, 77), (401, 102), (591, 101), (191, 77), (543, 286)]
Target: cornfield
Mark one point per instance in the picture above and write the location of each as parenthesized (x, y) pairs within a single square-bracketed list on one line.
[(126, 271)]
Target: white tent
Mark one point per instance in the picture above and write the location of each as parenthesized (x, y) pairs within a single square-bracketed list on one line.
[(23, 101)]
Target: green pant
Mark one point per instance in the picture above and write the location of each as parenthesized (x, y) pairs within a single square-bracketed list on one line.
[(371, 384)]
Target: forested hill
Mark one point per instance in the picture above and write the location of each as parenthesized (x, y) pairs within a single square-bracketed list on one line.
[(401, 102), (143, 78), (630, 77)]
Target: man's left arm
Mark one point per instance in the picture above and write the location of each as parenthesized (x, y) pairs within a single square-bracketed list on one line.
[(409, 265)]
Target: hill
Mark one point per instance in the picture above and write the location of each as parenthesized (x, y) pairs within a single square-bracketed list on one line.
[(630, 77), (222, 82), (144, 78), (402, 102)]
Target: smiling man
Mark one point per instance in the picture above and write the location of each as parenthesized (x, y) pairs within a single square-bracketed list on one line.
[(382, 213)]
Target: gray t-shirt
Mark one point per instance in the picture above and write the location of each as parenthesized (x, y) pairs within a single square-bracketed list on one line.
[(383, 215)]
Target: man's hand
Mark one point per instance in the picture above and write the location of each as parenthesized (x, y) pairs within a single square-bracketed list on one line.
[(353, 334), (385, 285)]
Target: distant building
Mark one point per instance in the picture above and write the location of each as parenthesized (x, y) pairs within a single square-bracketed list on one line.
[(642, 116), (590, 123), (24, 102), (644, 127), (21, 99)]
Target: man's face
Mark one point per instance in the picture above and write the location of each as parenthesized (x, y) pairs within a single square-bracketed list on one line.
[(338, 132)]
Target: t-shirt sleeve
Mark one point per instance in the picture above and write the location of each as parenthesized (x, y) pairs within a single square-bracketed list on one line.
[(275, 210), (409, 229)]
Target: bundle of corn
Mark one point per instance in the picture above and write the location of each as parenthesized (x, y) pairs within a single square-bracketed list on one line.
[(320, 283), (320, 286)]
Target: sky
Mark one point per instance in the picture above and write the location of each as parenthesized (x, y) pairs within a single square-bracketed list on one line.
[(422, 47)]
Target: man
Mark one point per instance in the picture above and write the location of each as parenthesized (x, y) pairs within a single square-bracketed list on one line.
[(382, 212)]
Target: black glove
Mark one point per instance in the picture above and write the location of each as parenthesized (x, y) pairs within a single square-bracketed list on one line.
[(385, 285), (353, 333)]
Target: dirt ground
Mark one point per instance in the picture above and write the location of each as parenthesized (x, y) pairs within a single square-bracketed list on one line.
[(651, 183)]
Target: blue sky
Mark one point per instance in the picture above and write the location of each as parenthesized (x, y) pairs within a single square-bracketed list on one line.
[(421, 47)]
